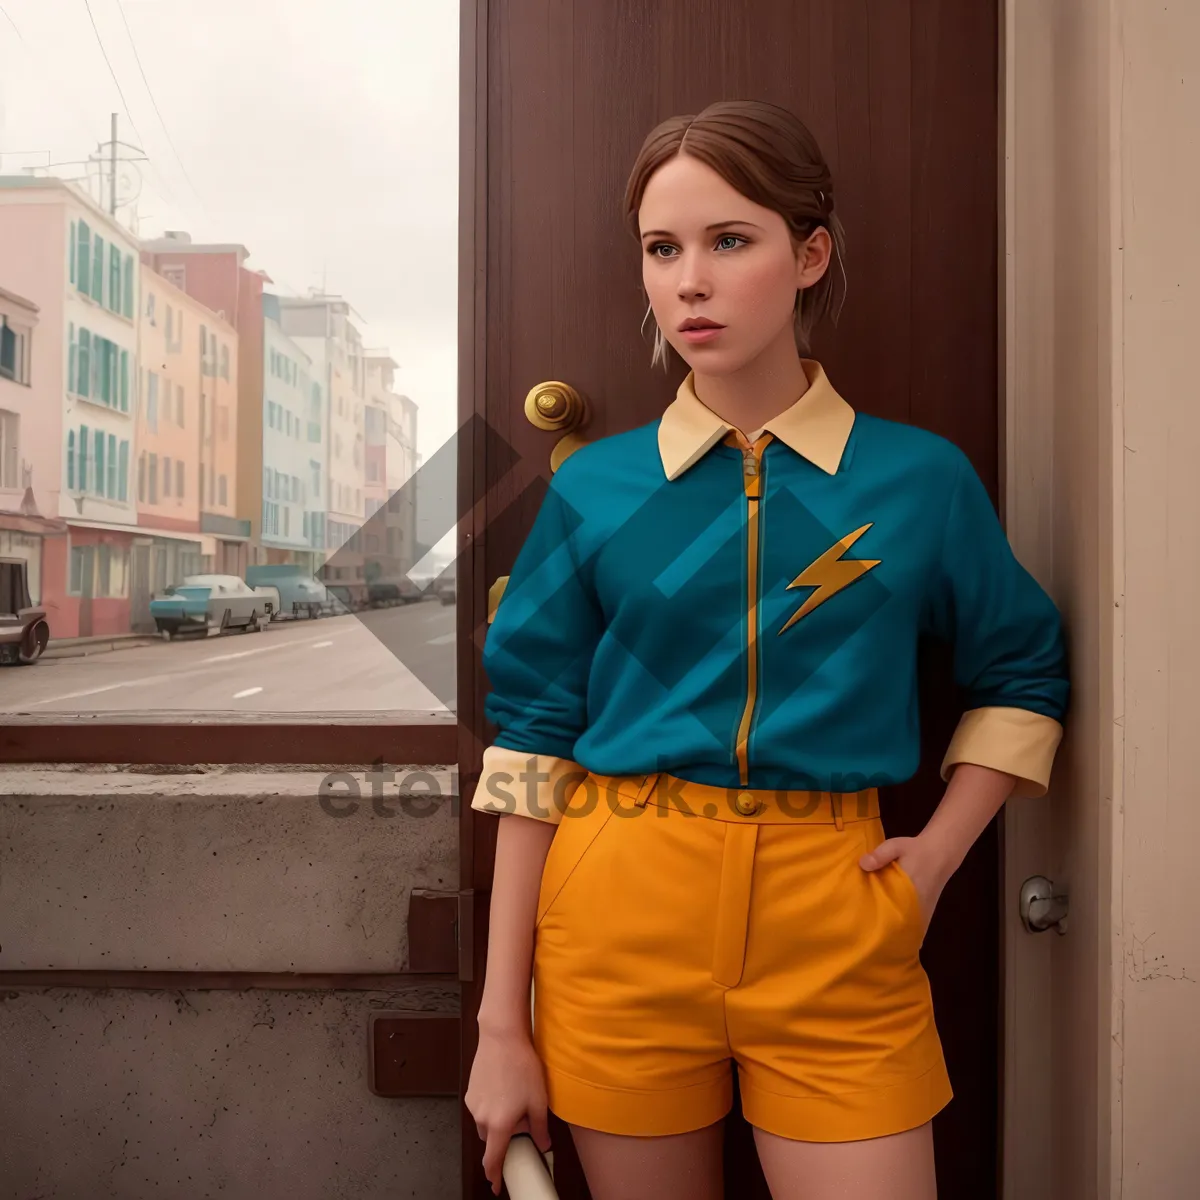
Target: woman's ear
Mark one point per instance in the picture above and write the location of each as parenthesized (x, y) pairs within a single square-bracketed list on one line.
[(813, 256)]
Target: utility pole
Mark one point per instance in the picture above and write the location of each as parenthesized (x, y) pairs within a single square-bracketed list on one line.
[(112, 191)]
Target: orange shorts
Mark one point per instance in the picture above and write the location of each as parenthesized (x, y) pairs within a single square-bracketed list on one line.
[(680, 926)]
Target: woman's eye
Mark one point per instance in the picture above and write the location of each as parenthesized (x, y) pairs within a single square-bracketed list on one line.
[(729, 237), (654, 250)]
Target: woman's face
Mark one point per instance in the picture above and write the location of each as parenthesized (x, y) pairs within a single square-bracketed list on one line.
[(709, 252)]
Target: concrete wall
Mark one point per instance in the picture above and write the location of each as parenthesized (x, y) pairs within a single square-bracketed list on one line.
[(256, 1092)]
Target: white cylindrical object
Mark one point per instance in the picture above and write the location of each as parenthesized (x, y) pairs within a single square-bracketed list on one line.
[(525, 1174)]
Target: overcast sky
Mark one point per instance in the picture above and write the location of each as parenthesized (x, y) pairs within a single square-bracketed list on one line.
[(320, 134)]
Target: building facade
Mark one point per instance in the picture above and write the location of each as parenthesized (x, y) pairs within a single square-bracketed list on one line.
[(217, 277), (30, 431), (322, 327), (293, 452), (79, 268)]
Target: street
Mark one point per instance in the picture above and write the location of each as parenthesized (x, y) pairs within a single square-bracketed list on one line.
[(380, 660)]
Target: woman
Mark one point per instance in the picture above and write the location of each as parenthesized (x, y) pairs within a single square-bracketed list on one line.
[(703, 668)]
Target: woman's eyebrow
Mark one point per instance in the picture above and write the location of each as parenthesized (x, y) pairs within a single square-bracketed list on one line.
[(707, 228)]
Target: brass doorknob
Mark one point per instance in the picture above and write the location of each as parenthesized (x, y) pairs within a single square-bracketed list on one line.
[(557, 406)]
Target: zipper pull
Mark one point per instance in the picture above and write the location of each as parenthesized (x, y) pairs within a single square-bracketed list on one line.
[(750, 474)]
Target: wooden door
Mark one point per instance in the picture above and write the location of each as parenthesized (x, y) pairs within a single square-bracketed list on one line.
[(902, 95)]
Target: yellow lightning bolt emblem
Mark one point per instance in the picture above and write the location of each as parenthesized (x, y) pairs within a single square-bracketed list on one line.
[(830, 573)]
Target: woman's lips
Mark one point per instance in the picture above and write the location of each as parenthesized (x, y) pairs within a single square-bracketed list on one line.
[(705, 334)]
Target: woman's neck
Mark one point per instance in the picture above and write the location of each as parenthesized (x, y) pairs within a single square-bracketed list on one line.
[(762, 389)]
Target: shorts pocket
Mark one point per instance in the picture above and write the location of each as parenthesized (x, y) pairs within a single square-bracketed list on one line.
[(897, 882), (587, 812)]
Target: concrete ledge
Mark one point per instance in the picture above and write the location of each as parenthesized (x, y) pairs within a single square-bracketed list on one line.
[(218, 870)]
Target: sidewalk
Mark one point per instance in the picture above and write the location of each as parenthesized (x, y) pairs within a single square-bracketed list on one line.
[(79, 647)]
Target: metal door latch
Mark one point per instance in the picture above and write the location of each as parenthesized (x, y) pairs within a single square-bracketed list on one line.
[(1042, 907)]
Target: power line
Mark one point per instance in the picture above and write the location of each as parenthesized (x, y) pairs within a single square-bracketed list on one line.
[(149, 92), (116, 81), (12, 23)]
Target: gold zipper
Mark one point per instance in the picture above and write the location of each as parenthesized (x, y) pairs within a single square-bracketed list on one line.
[(752, 483)]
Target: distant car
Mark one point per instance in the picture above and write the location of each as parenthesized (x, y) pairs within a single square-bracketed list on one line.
[(203, 602), (299, 594), (24, 632), (445, 587)]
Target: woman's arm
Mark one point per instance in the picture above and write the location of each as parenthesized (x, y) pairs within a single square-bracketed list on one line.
[(522, 844)]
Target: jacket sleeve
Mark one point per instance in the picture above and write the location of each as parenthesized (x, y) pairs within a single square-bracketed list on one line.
[(537, 655), (1009, 651)]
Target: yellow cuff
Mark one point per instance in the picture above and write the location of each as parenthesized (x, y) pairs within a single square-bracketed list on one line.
[(1014, 740), (544, 793)]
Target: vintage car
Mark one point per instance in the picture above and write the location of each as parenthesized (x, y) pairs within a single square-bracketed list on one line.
[(299, 594), (203, 602), (24, 633)]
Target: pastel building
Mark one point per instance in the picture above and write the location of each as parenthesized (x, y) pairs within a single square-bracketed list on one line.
[(322, 327), (216, 276), (390, 465), (293, 449), (30, 431), (78, 268)]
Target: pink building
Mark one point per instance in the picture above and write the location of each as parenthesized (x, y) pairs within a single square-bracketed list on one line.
[(29, 432), (79, 268), (217, 277), (186, 435)]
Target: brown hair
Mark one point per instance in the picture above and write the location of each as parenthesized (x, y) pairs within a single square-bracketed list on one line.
[(770, 156)]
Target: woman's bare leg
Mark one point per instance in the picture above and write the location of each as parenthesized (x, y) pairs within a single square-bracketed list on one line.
[(897, 1167), (680, 1166)]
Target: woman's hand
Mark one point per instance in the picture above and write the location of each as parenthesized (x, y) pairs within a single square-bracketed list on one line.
[(923, 861), (506, 1094)]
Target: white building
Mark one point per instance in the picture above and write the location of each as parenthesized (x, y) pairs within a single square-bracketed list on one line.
[(294, 456), (322, 328)]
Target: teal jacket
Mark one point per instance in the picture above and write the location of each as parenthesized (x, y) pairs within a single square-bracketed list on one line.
[(747, 614)]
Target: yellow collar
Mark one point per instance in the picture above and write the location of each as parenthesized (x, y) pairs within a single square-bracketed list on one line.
[(816, 427)]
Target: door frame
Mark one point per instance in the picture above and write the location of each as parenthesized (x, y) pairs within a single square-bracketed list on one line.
[(1061, 491)]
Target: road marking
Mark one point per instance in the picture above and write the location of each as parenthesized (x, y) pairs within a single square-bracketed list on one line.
[(111, 687), (247, 692), (257, 650), (321, 645), (441, 641), (153, 679)]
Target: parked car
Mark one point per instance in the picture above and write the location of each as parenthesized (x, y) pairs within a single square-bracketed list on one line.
[(299, 594), (203, 602), (445, 587), (24, 632)]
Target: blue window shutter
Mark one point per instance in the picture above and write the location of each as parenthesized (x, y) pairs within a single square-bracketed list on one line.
[(98, 270), (98, 469), (112, 466), (124, 380), (83, 458), (114, 277), (85, 370), (123, 473), (84, 266), (129, 286), (71, 460)]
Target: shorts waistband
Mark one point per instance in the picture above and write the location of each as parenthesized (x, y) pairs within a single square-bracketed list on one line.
[(741, 805)]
